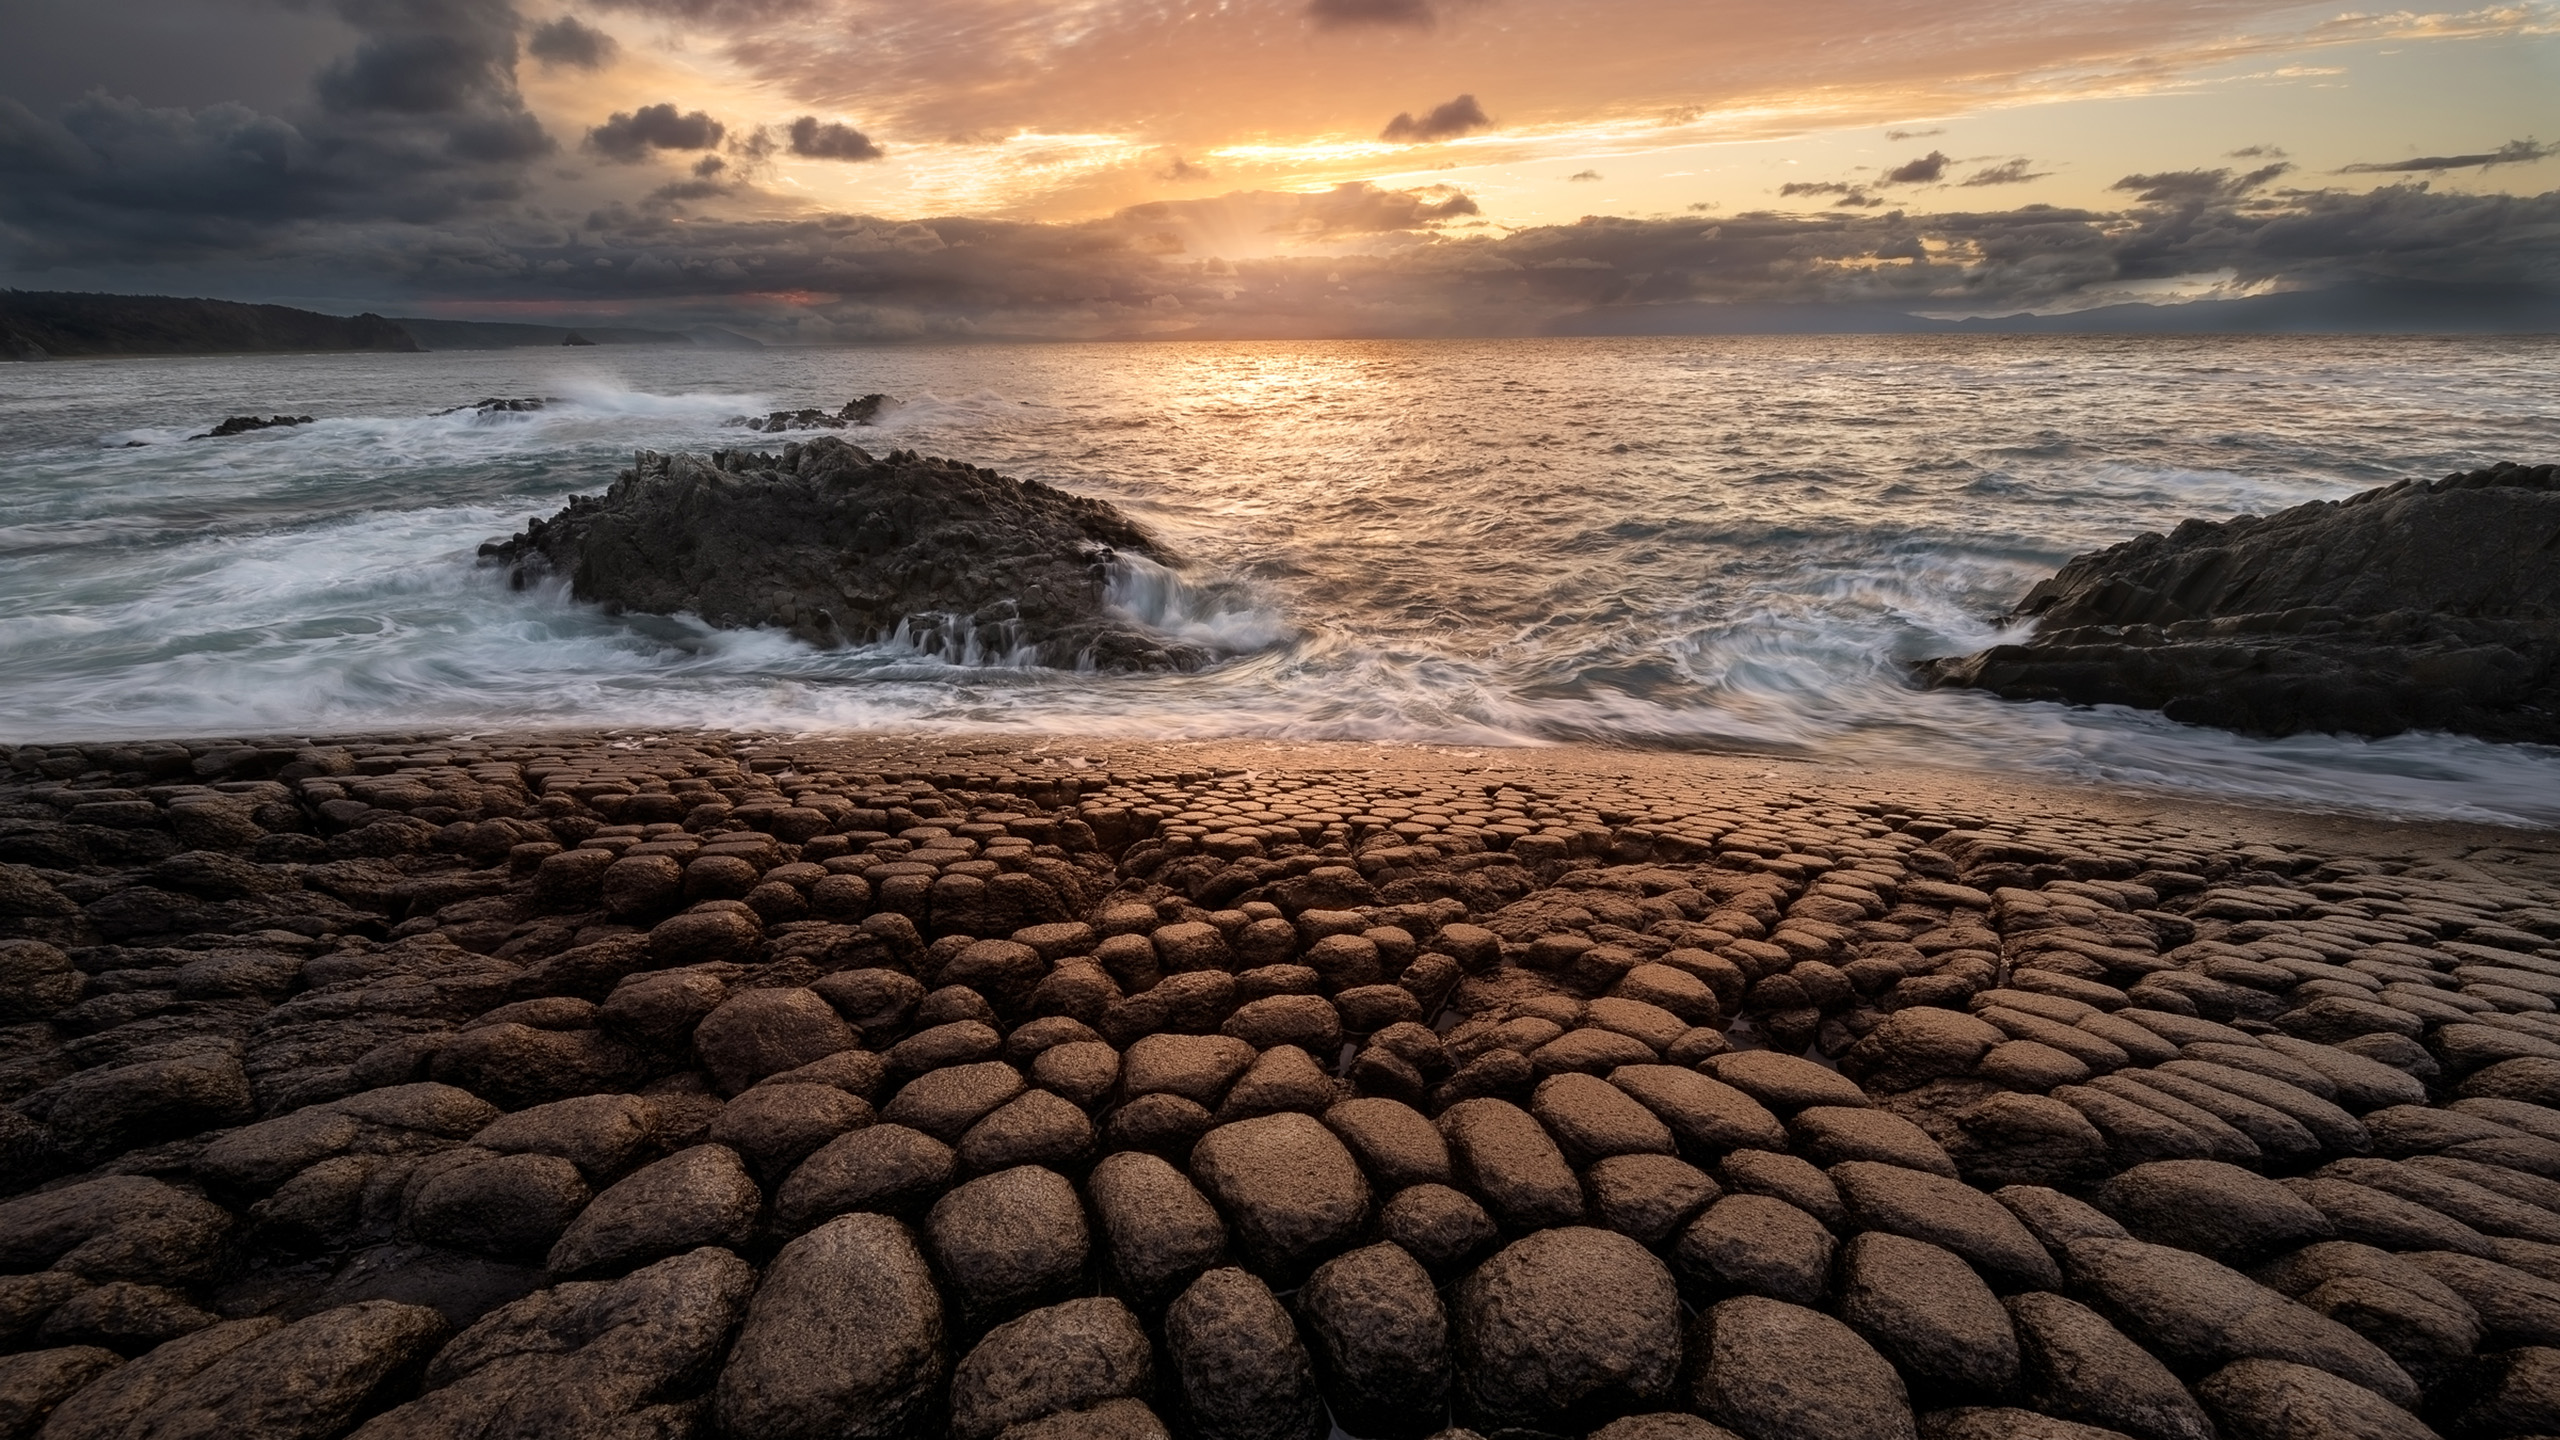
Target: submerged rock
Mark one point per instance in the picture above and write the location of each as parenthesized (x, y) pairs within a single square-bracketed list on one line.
[(2420, 606), (841, 548), (500, 405), (243, 424), (863, 411)]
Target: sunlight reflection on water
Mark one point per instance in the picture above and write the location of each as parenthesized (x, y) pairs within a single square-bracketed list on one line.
[(1724, 543)]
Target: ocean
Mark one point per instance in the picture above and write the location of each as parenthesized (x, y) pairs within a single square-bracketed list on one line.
[(1718, 543)]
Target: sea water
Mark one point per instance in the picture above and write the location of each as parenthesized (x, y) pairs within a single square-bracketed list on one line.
[(1718, 543)]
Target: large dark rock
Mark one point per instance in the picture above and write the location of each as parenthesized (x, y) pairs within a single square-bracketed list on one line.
[(306, 1381), (1565, 1329), (1383, 1340), (840, 548), (1928, 1312), (844, 1338), (622, 1357), (1775, 1371), (1292, 1190), (2424, 605), (698, 1196), (1239, 1371), (1009, 1241), (2079, 1367), (1066, 1358), (1158, 1231)]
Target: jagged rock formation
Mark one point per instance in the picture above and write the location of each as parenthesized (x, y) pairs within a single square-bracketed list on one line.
[(862, 411), (2420, 606), (839, 548), (500, 405), (710, 1089), (244, 424)]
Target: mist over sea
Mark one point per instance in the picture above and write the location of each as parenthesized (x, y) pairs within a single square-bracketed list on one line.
[(1722, 543)]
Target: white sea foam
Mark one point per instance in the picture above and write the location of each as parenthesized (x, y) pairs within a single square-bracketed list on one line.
[(1725, 544)]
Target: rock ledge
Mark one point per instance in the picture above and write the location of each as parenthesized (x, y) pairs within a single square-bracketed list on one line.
[(2419, 606)]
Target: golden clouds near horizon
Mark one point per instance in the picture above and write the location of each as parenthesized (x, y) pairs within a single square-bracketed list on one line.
[(1065, 112)]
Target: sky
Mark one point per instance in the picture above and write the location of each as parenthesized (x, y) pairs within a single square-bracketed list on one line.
[(820, 170)]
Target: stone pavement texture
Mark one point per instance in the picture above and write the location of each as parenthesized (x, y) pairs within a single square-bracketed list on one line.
[(686, 1085)]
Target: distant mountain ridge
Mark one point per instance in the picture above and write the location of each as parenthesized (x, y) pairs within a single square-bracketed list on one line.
[(46, 324), (38, 325), (41, 324)]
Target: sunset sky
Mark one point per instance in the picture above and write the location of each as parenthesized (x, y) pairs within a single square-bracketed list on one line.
[(852, 168)]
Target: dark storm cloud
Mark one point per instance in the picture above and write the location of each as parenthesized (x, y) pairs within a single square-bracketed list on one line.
[(2514, 152), (2007, 172), (629, 135), (830, 141), (565, 42), (2172, 187), (420, 122), (1852, 197), (1929, 169), (1349, 14), (1445, 122), (1913, 134), (1383, 262), (1584, 175)]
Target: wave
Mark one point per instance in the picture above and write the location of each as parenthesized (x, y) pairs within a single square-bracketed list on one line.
[(1470, 558)]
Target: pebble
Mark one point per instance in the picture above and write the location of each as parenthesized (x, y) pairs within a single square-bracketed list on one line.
[(2081, 1368), (1437, 1225), (886, 1168), (2211, 1208)]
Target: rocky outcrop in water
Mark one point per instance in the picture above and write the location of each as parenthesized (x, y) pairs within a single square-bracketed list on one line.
[(2420, 606), (498, 405), (863, 411), (841, 548), (243, 424)]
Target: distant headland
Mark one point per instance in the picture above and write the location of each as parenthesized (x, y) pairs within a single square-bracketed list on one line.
[(55, 324)]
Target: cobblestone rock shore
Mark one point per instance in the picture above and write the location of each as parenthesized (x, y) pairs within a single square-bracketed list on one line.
[(678, 1086)]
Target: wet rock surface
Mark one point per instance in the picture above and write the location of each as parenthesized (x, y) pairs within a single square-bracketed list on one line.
[(679, 1089), (840, 547), (2427, 605)]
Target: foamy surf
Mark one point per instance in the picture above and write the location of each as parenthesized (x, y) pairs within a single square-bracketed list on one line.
[(1727, 545)]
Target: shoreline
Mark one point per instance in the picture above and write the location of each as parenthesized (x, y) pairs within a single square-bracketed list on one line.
[(2303, 823), (468, 1080)]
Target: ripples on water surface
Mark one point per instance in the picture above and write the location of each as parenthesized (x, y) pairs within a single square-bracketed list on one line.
[(1716, 543)]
